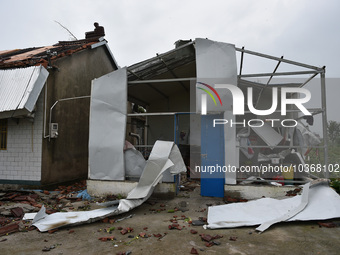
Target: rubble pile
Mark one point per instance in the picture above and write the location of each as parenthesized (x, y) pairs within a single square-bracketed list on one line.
[(14, 204)]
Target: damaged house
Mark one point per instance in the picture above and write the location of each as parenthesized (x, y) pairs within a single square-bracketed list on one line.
[(68, 112), (44, 110), (167, 94)]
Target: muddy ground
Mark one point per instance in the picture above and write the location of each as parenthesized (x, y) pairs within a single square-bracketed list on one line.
[(148, 233)]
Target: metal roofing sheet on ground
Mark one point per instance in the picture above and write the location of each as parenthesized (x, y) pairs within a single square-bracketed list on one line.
[(20, 88)]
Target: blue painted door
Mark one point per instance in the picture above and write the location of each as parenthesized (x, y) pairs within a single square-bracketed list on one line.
[(212, 155)]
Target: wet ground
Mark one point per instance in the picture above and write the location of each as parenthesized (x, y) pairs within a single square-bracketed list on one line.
[(148, 232)]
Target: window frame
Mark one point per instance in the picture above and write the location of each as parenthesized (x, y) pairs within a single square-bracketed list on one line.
[(3, 134)]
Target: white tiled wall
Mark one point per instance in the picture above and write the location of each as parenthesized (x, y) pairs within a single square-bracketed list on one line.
[(22, 159)]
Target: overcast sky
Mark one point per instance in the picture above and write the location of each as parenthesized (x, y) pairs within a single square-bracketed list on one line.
[(302, 30)]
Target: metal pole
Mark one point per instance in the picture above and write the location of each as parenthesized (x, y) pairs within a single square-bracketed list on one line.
[(175, 128), (160, 80), (324, 121), (158, 114), (277, 74), (270, 78), (241, 64)]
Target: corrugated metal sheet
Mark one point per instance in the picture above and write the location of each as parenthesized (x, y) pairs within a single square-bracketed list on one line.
[(20, 88)]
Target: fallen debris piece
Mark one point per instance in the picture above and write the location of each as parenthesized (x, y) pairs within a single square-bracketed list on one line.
[(6, 210), (310, 205), (48, 248), (292, 193), (143, 235), (216, 242), (51, 231), (206, 238), (8, 229), (329, 224), (193, 251), (107, 238), (233, 238), (210, 240), (192, 231), (235, 200), (127, 217), (164, 155), (197, 223), (124, 231), (124, 253), (18, 212), (84, 195), (174, 226)]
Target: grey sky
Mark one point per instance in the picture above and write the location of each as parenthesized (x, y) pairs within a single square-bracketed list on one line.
[(306, 30)]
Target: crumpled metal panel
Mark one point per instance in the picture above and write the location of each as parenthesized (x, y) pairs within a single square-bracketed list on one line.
[(164, 156), (20, 88), (317, 202)]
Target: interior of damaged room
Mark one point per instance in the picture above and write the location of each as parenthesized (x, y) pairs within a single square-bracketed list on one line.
[(219, 147)]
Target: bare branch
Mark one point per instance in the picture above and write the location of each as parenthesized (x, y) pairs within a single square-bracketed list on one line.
[(66, 30)]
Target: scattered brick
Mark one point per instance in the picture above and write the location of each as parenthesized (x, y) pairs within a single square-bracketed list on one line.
[(206, 238), (233, 238), (328, 224), (18, 212), (107, 238), (193, 251), (8, 229), (53, 230), (143, 235)]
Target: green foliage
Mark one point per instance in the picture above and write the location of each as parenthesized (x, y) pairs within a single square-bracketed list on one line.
[(335, 184)]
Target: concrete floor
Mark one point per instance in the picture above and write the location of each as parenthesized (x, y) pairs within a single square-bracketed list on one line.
[(283, 238)]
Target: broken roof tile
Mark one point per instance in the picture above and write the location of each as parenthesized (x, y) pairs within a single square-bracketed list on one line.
[(39, 55)]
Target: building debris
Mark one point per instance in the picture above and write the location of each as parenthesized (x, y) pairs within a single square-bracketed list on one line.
[(310, 205), (11, 228), (165, 156)]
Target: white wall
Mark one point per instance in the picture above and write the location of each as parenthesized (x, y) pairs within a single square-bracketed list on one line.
[(22, 159)]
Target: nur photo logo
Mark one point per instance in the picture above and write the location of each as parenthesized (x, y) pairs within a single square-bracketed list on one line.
[(238, 103)]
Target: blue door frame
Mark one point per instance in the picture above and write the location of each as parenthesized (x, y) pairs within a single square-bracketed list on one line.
[(212, 155)]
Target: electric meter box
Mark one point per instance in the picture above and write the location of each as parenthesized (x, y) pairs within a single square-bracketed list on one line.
[(54, 130)]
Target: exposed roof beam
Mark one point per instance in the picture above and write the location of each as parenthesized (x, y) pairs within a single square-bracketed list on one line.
[(151, 86), (172, 73), (278, 74), (270, 78), (160, 80), (278, 59)]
